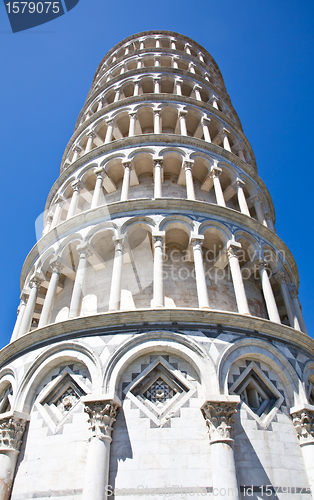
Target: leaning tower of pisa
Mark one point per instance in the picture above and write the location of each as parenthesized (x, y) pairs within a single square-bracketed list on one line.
[(159, 349)]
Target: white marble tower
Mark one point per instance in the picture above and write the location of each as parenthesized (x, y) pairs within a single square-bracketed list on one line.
[(160, 349)]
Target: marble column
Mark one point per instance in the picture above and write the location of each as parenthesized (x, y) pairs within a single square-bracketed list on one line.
[(158, 287), (101, 104), (56, 268), (269, 220), (57, 212), (218, 415), (303, 421), (201, 57), (173, 45), (192, 68), (157, 85), (117, 94), (197, 89), (268, 293), (48, 223), (109, 132), (99, 172), (205, 125), (30, 306), (21, 311), (157, 61), (178, 86), (237, 279), (90, 137), (225, 139), (12, 428), (182, 119), (76, 186), (297, 309), (241, 154), (127, 165), (175, 61), (187, 48), (136, 89), (282, 279), (78, 288), (257, 201), (200, 277), (158, 177), (214, 101), (215, 173), (239, 185), (188, 165), (77, 150), (116, 279), (102, 414), (157, 121), (132, 124)]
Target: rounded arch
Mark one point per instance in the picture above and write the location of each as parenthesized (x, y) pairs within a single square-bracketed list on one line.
[(49, 359), (168, 342), (259, 350)]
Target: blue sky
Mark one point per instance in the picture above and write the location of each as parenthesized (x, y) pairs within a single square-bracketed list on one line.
[(264, 50)]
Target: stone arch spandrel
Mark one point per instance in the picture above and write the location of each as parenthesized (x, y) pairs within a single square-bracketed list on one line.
[(52, 357), (256, 349), (170, 342)]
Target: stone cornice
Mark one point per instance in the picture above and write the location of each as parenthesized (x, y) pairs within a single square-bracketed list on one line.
[(165, 33), (154, 320), (160, 69), (156, 98), (165, 205)]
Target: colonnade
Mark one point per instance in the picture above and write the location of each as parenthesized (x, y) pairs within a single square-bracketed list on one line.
[(205, 127), (229, 257), (212, 181), (159, 85)]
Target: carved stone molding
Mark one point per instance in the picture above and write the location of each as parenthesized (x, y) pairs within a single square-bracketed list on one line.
[(11, 432), (218, 417), (102, 415), (303, 421)]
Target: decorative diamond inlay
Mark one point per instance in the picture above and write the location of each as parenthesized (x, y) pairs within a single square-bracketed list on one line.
[(60, 397), (159, 391), (258, 393)]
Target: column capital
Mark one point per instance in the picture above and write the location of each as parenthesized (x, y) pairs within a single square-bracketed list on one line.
[(188, 164), (83, 250), (118, 244), (218, 417), (178, 80), (76, 186), (91, 134), (156, 111), (197, 86), (182, 113), (102, 414), (156, 79), (56, 265), (158, 161), (233, 248), (197, 239), (12, 428), (127, 164), (110, 122), (256, 198), (214, 97), (192, 65), (281, 278), (294, 292), (206, 121), (239, 183), (303, 421), (132, 114), (77, 149), (224, 132), (99, 172), (36, 280), (215, 171), (158, 239)]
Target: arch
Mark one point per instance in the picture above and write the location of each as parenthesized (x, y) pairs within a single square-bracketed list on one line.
[(257, 349), (49, 359), (169, 342)]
